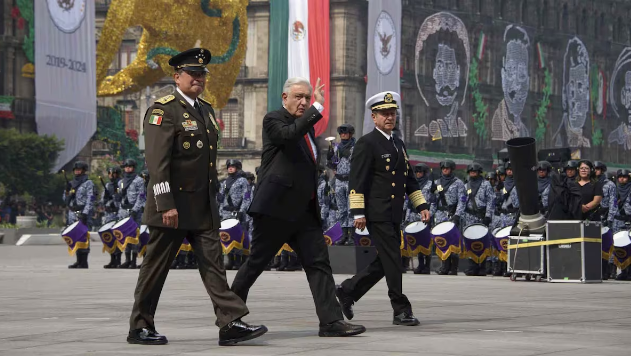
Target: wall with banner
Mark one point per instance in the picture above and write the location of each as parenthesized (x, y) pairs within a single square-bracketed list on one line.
[(65, 84)]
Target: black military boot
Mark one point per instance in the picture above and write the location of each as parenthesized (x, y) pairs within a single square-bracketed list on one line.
[(237, 262), (624, 275), (488, 267), (473, 269), (229, 261), (405, 264), (275, 262), (127, 260), (455, 261), (284, 261), (111, 264), (132, 263), (605, 270), (191, 260), (294, 263), (349, 237), (445, 266), (181, 260), (83, 259), (342, 240), (117, 259), (421, 264), (76, 264), (428, 265), (613, 271), (497, 269)]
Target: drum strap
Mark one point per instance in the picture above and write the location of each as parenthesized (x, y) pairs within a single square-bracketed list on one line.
[(471, 197)]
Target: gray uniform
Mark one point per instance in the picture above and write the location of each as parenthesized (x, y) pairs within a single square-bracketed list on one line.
[(479, 206), (324, 202), (410, 213), (134, 197), (110, 199), (343, 171), (510, 207), (609, 195), (453, 203), (616, 211), (80, 201), (230, 198)]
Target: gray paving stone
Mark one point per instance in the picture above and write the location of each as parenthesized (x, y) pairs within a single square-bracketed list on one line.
[(46, 309)]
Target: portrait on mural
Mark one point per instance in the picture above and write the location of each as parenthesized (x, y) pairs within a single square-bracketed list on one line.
[(443, 41), (619, 97), (507, 119), (575, 96)]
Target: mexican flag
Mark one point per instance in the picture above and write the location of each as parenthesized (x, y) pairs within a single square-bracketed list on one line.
[(299, 47), (5, 107)]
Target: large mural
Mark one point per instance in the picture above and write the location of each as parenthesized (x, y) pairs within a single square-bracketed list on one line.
[(557, 94), (445, 35), (507, 122)]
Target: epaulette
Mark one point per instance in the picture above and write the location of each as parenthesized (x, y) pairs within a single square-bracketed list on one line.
[(205, 101), (165, 99)]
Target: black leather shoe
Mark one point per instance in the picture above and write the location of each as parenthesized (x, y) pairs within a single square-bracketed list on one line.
[(238, 331), (340, 328), (406, 319), (146, 336), (346, 302)]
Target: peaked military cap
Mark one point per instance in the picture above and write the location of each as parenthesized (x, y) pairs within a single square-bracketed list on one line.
[(384, 100), (194, 59)]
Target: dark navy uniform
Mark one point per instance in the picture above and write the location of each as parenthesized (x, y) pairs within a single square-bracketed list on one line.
[(380, 178)]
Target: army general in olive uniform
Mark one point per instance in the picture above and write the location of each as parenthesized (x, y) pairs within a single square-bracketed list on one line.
[(181, 151)]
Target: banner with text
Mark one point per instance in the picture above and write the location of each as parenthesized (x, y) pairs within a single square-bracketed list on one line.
[(384, 53), (65, 77)]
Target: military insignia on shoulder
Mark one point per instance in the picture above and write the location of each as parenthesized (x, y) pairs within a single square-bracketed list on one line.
[(165, 99), (158, 111), (205, 101), (439, 188)]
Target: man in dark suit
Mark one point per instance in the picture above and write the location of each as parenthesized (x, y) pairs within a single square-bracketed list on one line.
[(285, 208), (380, 178), (181, 153)]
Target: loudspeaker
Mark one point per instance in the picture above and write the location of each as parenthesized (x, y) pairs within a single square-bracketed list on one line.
[(574, 251)]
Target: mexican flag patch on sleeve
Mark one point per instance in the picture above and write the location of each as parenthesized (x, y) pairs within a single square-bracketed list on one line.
[(155, 120)]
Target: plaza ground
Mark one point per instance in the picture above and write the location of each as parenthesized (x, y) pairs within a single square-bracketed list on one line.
[(47, 309)]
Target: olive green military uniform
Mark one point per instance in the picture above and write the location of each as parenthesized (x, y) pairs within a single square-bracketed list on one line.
[(181, 154)]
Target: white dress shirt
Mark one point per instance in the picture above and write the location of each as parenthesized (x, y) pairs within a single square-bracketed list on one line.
[(188, 100)]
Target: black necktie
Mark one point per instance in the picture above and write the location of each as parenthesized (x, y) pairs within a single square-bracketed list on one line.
[(199, 109), (393, 144)]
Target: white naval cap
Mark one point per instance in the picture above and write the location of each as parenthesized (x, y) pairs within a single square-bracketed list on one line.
[(384, 100)]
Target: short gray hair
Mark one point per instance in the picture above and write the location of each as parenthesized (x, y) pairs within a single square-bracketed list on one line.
[(296, 81)]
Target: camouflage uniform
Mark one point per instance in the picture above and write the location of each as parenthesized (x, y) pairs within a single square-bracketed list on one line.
[(410, 214), (485, 202), (324, 202), (343, 170), (510, 207), (134, 198), (455, 196), (110, 201), (231, 199), (609, 195), (614, 212), (245, 205), (81, 201), (233, 194)]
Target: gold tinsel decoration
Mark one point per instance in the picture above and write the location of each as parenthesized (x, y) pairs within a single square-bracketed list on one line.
[(170, 27)]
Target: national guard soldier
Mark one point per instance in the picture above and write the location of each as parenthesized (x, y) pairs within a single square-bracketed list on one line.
[(111, 200), (509, 199), (79, 198), (133, 194), (479, 208), (609, 194), (323, 198), (449, 201), (380, 177), (339, 158), (609, 191), (620, 211), (181, 152), (422, 175), (571, 169), (543, 185), (230, 199)]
